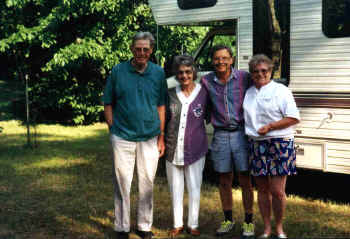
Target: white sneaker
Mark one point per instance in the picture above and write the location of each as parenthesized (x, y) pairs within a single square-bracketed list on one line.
[(248, 229)]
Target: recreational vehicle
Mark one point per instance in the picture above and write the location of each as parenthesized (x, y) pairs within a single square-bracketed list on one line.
[(311, 51)]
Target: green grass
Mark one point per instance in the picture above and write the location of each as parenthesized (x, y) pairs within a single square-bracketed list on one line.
[(63, 189)]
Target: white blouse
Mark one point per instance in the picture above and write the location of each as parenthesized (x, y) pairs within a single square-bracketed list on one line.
[(185, 101), (270, 103)]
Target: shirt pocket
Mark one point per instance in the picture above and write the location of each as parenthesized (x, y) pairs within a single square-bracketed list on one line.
[(150, 115)]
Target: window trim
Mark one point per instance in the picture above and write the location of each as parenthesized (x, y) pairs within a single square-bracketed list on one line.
[(186, 4), (329, 34)]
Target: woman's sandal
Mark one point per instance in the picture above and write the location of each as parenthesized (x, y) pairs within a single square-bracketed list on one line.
[(176, 231), (282, 236), (264, 236)]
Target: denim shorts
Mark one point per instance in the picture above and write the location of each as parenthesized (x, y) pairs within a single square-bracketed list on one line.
[(229, 150)]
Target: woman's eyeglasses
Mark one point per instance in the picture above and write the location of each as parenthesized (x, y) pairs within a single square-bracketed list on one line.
[(187, 72), (264, 71)]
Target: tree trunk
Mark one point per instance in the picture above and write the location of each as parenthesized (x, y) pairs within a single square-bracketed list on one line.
[(276, 41)]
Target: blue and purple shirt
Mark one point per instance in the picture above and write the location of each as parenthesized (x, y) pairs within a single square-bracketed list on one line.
[(227, 99)]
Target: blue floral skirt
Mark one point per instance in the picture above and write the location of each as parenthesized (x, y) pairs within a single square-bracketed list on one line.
[(272, 157)]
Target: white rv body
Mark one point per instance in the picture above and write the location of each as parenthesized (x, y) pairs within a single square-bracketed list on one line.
[(319, 73), (319, 70), (167, 12)]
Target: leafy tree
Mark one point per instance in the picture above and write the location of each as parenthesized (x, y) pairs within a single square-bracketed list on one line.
[(67, 48)]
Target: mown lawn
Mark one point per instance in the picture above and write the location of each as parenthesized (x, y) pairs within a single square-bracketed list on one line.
[(63, 189)]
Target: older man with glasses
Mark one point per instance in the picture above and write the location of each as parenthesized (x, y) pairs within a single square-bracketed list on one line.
[(134, 101), (227, 87)]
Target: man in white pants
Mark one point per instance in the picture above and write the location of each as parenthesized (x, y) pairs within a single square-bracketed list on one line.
[(134, 101)]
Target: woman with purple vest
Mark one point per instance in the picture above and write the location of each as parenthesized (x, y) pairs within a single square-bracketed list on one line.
[(186, 143)]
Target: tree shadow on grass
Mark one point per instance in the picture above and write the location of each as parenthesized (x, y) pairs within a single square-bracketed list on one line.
[(64, 189), (55, 188)]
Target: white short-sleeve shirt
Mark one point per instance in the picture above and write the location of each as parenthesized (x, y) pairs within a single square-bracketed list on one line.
[(270, 103)]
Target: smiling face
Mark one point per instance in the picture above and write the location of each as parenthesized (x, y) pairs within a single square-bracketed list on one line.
[(184, 75), (222, 61), (261, 75), (142, 51)]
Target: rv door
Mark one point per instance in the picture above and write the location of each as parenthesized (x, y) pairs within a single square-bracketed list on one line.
[(224, 36)]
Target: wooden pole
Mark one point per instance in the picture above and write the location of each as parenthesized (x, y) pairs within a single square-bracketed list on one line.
[(27, 111)]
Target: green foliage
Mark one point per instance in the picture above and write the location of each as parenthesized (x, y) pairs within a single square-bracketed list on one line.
[(68, 47)]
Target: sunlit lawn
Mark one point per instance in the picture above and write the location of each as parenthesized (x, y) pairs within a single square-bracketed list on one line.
[(63, 189)]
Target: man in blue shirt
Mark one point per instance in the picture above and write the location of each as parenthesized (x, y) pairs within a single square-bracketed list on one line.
[(227, 87), (134, 103)]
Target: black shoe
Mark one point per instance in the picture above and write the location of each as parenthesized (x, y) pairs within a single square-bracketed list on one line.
[(144, 234), (122, 235)]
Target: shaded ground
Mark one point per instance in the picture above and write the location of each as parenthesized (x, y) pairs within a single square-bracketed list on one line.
[(10, 93), (312, 184), (320, 185), (63, 190)]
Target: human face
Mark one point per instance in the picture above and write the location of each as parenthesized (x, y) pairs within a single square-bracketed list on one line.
[(142, 51), (185, 75), (222, 61), (261, 75)]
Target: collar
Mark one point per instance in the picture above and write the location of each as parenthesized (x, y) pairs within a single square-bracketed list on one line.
[(131, 68), (183, 99), (265, 87), (233, 75)]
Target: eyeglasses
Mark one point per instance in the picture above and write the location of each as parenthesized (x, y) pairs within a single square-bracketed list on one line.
[(224, 59), (140, 49), (264, 71), (187, 72)]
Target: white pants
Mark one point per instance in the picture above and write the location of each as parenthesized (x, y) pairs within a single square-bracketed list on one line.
[(176, 176), (125, 153)]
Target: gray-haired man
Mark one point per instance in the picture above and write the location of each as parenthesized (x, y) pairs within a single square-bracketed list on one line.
[(134, 100)]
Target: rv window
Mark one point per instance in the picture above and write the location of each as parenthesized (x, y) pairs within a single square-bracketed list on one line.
[(193, 4), (336, 18), (203, 59)]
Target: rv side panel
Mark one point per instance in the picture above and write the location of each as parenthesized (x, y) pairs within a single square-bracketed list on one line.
[(167, 12), (325, 123), (338, 157), (323, 139), (317, 63)]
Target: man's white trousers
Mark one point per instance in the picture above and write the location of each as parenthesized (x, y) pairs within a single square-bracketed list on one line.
[(125, 154), (176, 176)]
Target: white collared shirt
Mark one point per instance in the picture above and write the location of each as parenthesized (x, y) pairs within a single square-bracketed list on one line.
[(185, 101), (272, 102)]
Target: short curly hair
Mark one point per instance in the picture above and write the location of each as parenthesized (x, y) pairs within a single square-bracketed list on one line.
[(258, 59), (184, 60)]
